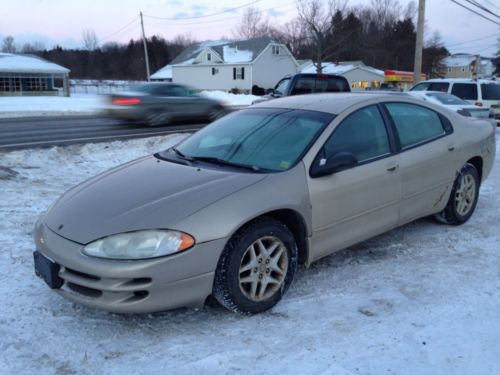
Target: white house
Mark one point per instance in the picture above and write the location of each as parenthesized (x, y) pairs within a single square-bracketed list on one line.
[(464, 65), (31, 75), (227, 65), (359, 75)]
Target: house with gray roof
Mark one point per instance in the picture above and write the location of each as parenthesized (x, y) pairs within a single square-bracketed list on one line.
[(226, 65), (31, 75)]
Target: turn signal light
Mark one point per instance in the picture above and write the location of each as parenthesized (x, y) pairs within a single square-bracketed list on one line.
[(479, 104), (126, 101)]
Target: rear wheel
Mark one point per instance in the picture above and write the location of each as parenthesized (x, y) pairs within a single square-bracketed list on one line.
[(256, 267), (159, 118), (216, 113), (463, 197)]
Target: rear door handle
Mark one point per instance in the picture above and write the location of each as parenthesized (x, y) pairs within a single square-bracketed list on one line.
[(392, 168), (451, 147)]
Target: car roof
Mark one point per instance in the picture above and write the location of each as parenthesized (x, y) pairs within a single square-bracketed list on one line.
[(333, 103), (460, 80)]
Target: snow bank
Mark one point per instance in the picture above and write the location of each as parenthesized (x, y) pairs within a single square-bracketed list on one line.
[(421, 299), (83, 104), (27, 106)]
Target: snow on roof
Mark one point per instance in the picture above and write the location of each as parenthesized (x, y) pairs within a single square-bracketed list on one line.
[(342, 68), (163, 73), (249, 48), (462, 60), (234, 55), (12, 63)]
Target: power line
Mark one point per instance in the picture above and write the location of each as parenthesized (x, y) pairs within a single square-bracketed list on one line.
[(473, 40), (473, 11), (207, 15), (482, 7), (198, 23), (121, 29)]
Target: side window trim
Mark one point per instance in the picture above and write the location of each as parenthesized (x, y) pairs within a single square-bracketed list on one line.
[(445, 124)]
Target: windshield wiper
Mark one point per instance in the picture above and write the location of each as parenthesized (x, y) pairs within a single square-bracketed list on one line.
[(214, 160), (181, 155)]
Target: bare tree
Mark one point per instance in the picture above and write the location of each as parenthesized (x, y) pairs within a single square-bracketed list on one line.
[(32, 47), (90, 41), (8, 44), (318, 19), (252, 24)]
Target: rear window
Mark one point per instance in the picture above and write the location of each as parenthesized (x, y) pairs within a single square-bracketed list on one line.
[(466, 91), (432, 86), (310, 85), (491, 91), (447, 99)]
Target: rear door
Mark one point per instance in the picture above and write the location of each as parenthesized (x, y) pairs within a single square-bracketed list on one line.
[(426, 158)]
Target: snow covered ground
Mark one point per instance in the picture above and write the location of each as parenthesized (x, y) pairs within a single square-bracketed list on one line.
[(86, 104), (422, 299)]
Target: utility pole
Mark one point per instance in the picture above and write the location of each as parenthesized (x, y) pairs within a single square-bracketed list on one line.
[(145, 48), (417, 66)]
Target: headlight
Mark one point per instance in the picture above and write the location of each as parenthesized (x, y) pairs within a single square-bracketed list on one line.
[(139, 245)]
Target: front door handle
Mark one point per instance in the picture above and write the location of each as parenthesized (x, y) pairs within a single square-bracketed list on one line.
[(451, 147), (392, 168)]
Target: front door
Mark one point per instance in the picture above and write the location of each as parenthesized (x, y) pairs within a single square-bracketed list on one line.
[(355, 204)]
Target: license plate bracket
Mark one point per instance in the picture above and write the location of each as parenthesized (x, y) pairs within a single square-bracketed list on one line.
[(47, 270)]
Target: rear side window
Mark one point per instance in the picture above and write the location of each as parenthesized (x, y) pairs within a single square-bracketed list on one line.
[(491, 91), (467, 91), (362, 133), (310, 85), (415, 124), (432, 86)]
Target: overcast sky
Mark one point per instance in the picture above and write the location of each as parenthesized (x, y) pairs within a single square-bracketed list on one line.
[(63, 21)]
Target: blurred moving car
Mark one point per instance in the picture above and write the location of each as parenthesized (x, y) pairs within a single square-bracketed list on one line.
[(452, 102), (306, 83), (231, 210), (480, 92), (161, 103)]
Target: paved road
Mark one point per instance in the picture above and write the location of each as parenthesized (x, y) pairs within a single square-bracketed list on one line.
[(50, 131)]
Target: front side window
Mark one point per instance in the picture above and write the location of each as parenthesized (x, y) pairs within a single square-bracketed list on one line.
[(320, 83), (415, 124), (466, 91), (362, 134), (281, 86), (270, 139)]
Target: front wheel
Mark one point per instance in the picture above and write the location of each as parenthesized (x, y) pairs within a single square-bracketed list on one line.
[(463, 197), (256, 267)]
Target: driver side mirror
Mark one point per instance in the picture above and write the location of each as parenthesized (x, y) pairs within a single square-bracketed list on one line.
[(335, 163), (270, 92)]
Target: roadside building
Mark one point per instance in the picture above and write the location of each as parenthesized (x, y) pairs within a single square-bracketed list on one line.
[(400, 80), (360, 76), (463, 65), (231, 65), (164, 74), (28, 75)]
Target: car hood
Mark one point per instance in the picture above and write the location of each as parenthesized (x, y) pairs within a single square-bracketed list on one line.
[(143, 194)]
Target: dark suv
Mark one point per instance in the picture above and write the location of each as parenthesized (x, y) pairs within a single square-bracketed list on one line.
[(306, 83)]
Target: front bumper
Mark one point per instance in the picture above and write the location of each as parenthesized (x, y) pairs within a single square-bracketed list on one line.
[(132, 286)]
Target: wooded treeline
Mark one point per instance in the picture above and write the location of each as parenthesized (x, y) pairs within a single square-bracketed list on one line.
[(381, 35)]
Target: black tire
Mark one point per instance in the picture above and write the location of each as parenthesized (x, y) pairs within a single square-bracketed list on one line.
[(462, 202), (230, 288), (159, 118), (216, 113)]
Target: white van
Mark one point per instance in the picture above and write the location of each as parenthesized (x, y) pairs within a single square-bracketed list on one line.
[(481, 92)]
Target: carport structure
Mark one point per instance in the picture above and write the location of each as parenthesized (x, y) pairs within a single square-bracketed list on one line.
[(28, 75)]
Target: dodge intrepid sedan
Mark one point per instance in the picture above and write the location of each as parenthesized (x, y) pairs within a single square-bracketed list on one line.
[(232, 210)]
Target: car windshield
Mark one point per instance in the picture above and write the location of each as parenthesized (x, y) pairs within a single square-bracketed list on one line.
[(262, 138), (431, 86), (491, 91), (447, 99)]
